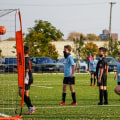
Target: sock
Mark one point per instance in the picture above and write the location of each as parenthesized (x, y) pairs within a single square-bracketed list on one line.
[(27, 101), (105, 96), (91, 80), (73, 97), (94, 80), (101, 96), (63, 96)]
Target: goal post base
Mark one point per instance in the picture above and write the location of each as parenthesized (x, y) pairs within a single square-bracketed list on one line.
[(12, 118)]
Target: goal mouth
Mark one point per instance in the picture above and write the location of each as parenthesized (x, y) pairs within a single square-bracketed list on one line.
[(12, 118), (11, 64)]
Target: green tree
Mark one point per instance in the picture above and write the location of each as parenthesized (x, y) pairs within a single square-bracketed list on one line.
[(93, 37), (90, 47), (1, 53), (113, 47), (39, 37), (78, 44)]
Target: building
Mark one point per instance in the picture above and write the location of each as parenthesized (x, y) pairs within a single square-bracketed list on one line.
[(105, 34)]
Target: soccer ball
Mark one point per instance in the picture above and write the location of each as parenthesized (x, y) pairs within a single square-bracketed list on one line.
[(2, 30)]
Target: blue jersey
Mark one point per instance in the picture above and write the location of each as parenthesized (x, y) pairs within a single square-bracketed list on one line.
[(68, 63), (118, 71), (93, 64)]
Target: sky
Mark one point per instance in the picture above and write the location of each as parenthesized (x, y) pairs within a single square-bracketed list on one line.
[(84, 16)]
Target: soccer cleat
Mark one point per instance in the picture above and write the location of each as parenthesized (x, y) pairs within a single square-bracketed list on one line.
[(62, 103), (91, 84), (105, 103), (31, 110), (100, 103), (94, 84), (73, 103)]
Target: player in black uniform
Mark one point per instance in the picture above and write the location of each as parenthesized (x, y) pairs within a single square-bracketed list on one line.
[(28, 81), (101, 71)]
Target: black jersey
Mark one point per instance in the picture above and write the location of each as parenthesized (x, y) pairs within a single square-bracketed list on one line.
[(28, 66), (102, 63)]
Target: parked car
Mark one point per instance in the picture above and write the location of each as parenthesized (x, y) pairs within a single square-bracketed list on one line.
[(83, 65), (9, 63), (112, 63), (40, 64)]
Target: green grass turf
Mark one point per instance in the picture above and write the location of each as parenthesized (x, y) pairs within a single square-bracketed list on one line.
[(46, 93)]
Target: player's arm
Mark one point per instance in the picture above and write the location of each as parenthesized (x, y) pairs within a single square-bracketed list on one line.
[(73, 66), (115, 76), (89, 67), (73, 70), (100, 76)]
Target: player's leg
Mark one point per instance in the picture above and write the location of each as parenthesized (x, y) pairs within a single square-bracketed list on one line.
[(65, 82), (73, 95), (27, 100), (92, 76), (105, 95), (101, 93), (105, 91), (117, 90), (20, 92)]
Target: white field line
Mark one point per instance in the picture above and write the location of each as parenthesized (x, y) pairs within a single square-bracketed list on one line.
[(42, 86), (4, 115), (89, 106)]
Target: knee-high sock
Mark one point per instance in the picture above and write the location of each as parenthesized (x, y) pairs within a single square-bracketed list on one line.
[(101, 96), (105, 96), (94, 80), (91, 80), (63, 96), (74, 97), (27, 101)]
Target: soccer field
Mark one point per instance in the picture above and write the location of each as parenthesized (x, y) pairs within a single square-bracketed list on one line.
[(46, 95)]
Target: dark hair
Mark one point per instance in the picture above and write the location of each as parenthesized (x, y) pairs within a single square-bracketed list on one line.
[(26, 49), (68, 47), (119, 53), (103, 49)]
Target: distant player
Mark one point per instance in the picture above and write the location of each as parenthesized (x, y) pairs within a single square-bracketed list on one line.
[(78, 59), (28, 81), (89, 58), (101, 72), (117, 89), (92, 69), (69, 75)]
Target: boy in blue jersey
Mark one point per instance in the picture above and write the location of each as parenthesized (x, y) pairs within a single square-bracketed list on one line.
[(117, 89), (69, 75), (92, 69)]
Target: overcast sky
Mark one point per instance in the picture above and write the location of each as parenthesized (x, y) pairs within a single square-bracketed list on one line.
[(85, 16)]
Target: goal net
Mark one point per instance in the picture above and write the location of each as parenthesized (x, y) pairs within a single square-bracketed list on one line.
[(11, 64)]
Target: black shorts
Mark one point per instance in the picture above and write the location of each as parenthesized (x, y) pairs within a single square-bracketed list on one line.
[(27, 87), (69, 80), (118, 83), (93, 73), (103, 81)]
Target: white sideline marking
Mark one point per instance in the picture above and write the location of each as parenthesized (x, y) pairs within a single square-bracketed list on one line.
[(4, 115), (81, 106), (42, 86), (70, 107)]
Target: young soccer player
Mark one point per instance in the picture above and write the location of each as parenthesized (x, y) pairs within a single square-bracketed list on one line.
[(101, 71), (78, 59), (28, 81), (117, 89), (92, 69), (69, 75)]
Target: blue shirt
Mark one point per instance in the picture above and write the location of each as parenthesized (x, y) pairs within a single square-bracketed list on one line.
[(68, 63), (93, 64), (118, 71)]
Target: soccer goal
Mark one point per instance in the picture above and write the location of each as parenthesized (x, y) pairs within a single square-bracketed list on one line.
[(11, 64)]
